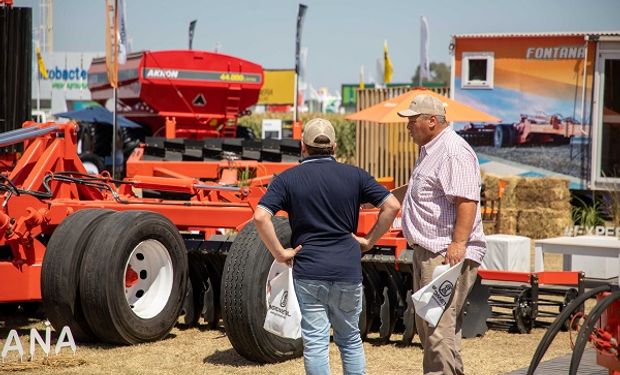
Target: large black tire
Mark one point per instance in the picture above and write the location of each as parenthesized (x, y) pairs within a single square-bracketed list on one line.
[(498, 136), (94, 164), (190, 310), (243, 297), (212, 310), (205, 273), (505, 135), (139, 241), (511, 135), (61, 270)]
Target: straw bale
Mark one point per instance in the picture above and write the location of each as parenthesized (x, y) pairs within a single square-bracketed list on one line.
[(532, 195), (556, 206), (489, 227), (509, 198), (507, 221), (543, 183), (491, 186), (543, 222)]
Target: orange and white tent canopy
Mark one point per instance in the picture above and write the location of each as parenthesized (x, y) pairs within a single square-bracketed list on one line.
[(387, 112)]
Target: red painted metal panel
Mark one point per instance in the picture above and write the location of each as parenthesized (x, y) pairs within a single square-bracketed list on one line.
[(200, 89)]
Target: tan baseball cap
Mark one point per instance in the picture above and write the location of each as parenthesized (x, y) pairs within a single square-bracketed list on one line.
[(317, 127), (424, 104)]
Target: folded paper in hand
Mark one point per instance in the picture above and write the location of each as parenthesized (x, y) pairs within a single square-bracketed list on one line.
[(283, 316), (430, 301)]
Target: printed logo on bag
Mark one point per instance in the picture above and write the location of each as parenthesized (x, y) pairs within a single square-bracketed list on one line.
[(446, 288), (441, 294), (284, 299)]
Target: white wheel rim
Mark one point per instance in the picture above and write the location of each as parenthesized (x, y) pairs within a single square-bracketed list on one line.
[(90, 167), (148, 279)]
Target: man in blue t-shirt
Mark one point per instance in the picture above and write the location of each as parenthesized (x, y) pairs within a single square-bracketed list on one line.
[(322, 198)]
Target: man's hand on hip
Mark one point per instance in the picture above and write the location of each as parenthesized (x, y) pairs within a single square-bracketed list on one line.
[(287, 255), (455, 253), (364, 242)]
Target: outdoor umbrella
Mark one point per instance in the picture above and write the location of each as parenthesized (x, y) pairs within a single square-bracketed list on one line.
[(98, 115), (387, 111)]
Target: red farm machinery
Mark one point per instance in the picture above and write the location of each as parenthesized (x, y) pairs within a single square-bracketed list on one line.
[(119, 261), (187, 103), (119, 267), (540, 128), (183, 93)]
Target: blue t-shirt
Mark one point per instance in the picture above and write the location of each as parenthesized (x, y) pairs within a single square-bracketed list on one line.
[(322, 198)]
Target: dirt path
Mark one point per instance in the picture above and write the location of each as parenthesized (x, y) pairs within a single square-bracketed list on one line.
[(192, 351)]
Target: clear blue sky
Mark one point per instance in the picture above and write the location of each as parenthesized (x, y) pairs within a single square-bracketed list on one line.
[(340, 35)]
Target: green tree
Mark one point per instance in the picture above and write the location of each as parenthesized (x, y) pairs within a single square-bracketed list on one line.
[(440, 73)]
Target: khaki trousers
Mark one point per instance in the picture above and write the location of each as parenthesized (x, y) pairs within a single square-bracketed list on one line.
[(442, 344)]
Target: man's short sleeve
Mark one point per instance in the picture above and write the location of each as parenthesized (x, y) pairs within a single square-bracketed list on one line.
[(459, 176), (275, 199), (372, 192)]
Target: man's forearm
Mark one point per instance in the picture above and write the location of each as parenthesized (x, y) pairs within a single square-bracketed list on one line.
[(267, 234), (466, 211), (386, 217)]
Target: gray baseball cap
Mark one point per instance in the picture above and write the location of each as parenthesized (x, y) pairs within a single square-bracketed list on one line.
[(424, 104), (317, 127)]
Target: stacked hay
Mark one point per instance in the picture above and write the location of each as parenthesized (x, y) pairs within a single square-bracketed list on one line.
[(530, 206), (507, 217), (543, 206)]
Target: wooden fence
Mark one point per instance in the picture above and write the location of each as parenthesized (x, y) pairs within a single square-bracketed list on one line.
[(385, 150)]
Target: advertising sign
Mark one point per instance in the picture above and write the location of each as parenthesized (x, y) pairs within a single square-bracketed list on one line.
[(535, 85), (67, 76), (279, 87), (272, 128)]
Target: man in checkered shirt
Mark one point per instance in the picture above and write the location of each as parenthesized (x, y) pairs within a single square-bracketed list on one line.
[(441, 221)]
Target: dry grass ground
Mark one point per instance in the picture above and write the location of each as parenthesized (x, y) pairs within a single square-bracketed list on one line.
[(209, 352), (195, 351)]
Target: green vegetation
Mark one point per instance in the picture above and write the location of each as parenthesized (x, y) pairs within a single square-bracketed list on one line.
[(588, 215), (244, 176), (440, 73), (345, 129), (615, 207)]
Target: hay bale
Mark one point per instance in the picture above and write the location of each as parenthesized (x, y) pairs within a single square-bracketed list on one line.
[(543, 222), (561, 206), (489, 227), (534, 195), (507, 221), (542, 214), (491, 186), (542, 183), (509, 198)]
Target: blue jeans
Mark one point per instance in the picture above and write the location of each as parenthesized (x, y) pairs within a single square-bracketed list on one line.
[(338, 303)]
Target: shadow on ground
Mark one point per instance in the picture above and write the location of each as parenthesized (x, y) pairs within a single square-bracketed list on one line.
[(228, 357)]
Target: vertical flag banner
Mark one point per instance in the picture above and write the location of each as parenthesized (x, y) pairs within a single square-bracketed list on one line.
[(111, 42), (123, 46), (424, 63), (41, 64), (192, 27), (388, 69), (380, 73), (303, 68), (362, 77), (301, 12), (300, 21)]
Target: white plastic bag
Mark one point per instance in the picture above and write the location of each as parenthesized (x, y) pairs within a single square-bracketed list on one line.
[(430, 301), (283, 314)]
